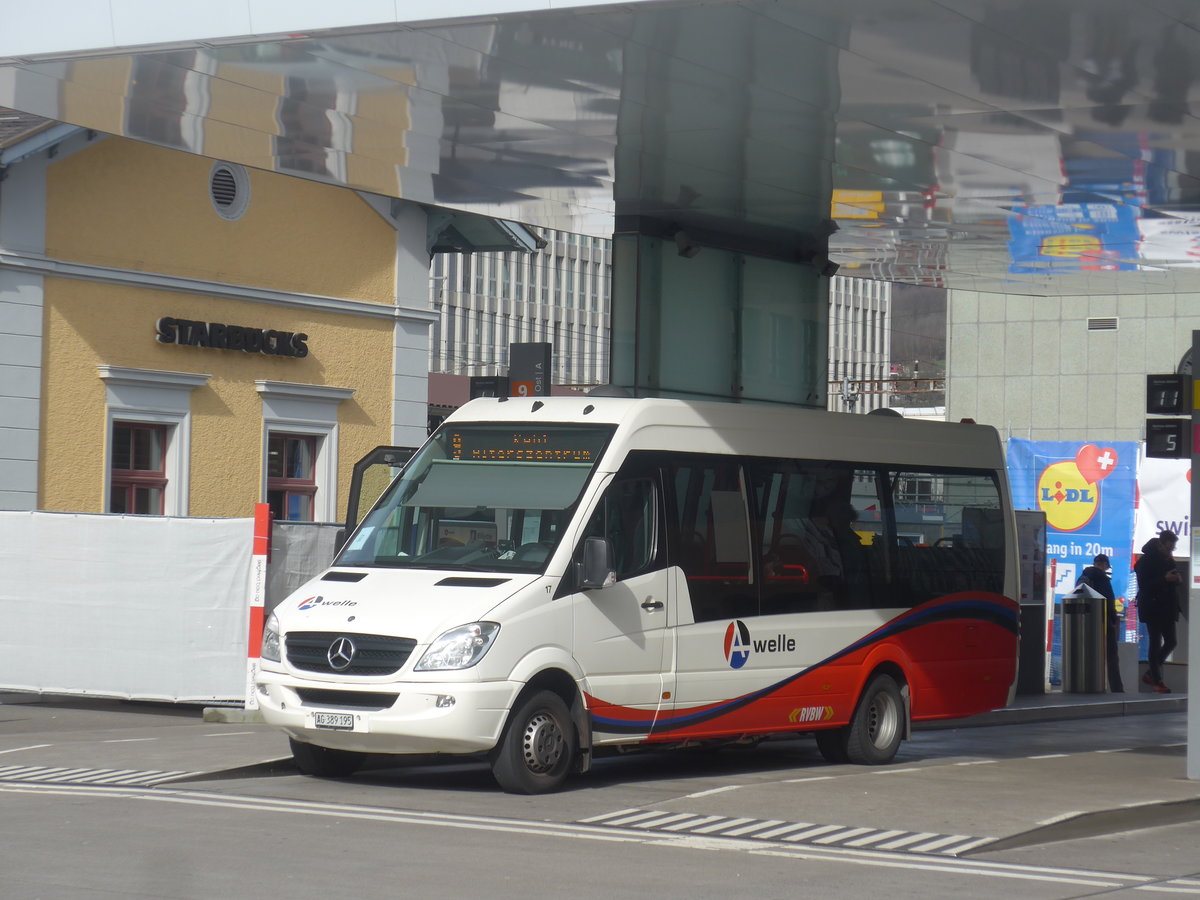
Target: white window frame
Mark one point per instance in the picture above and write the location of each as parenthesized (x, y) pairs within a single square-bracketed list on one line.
[(308, 409), (150, 396)]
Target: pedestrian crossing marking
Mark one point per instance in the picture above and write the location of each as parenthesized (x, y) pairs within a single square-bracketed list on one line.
[(924, 842), (65, 775)]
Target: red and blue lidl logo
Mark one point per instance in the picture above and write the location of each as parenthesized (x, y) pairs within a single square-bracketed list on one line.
[(737, 644), (1068, 492)]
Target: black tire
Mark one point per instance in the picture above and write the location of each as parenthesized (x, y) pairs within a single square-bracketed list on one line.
[(537, 750), (832, 744), (323, 762), (877, 727)]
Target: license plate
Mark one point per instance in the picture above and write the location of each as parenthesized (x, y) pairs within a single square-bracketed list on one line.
[(336, 721)]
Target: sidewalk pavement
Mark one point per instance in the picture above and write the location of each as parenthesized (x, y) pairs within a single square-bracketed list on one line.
[(1084, 795), (1058, 706)]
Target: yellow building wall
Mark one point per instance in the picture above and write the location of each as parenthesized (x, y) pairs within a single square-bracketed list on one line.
[(93, 93), (382, 121), (130, 205), (241, 120), (295, 236), (89, 324)]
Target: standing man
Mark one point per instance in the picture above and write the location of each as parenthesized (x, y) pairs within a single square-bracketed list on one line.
[(1158, 602), (1097, 578)]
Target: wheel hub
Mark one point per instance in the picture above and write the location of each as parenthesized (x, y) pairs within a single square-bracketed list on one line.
[(882, 722), (543, 744)]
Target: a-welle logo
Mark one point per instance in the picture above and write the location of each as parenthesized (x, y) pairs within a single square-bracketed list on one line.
[(739, 644)]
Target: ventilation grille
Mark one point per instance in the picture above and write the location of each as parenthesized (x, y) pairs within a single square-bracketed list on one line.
[(343, 576), (352, 699), (224, 188), (229, 190), (1103, 323)]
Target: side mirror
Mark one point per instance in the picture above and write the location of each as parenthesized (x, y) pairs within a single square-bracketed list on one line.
[(595, 568)]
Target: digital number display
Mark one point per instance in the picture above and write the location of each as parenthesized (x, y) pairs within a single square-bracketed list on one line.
[(1168, 438), (1165, 395), (526, 445)]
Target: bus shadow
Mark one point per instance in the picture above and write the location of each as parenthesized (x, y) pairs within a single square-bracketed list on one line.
[(794, 755)]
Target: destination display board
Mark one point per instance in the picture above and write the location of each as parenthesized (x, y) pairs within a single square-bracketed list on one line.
[(556, 444)]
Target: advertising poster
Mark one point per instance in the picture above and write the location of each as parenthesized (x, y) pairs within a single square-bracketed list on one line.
[(1164, 500), (1087, 492), (1173, 238), (1073, 237), (1164, 504)]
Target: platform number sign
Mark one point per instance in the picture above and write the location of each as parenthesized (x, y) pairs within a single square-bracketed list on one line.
[(1168, 438), (1168, 395), (529, 369)]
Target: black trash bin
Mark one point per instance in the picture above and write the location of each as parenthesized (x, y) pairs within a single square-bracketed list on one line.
[(1083, 622)]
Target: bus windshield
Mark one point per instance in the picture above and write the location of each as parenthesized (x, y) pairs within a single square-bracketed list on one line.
[(481, 497)]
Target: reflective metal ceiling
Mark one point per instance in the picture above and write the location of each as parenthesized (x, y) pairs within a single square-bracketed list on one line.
[(1045, 147)]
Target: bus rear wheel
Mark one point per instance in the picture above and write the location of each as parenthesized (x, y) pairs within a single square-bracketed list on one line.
[(877, 727), (537, 750)]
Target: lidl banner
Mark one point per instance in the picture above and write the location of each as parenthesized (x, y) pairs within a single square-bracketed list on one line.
[(1073, 237), (1087, 492)]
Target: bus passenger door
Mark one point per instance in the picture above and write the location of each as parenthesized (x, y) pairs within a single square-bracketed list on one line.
[(719, 594), (621, 637)]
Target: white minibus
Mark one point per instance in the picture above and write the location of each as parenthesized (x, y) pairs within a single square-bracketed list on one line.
[(546, 578)]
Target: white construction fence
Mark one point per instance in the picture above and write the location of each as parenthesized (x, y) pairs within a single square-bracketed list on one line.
[(139, 607)]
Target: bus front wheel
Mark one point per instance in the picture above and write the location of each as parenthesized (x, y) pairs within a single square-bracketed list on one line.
[(538, 747)]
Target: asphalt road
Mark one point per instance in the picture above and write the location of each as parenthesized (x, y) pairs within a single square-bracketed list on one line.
[(108, 799)]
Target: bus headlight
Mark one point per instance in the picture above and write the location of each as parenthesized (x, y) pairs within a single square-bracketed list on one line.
[(459, 648), (271, 644)]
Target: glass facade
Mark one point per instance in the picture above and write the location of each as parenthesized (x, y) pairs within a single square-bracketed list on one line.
[(558, 294), (718, 325)]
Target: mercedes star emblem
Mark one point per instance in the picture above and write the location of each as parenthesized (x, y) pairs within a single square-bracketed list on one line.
[(341, 654)]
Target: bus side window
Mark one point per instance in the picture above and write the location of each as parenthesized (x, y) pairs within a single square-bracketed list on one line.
[(957, 533), (789, 571), (626, 516), (821, 536), (712, 542)]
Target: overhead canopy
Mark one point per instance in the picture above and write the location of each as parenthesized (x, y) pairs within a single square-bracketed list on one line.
[(451, 231), (1025, 146)]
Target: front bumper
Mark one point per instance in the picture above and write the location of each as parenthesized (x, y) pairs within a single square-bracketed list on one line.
[(424, 717)]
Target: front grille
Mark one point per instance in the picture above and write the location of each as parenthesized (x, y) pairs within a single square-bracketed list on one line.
[(374, 654), (353, 699)]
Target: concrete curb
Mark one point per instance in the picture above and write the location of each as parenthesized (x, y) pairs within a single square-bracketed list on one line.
[(1100, 822), (232, 715), (1018, 714)]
